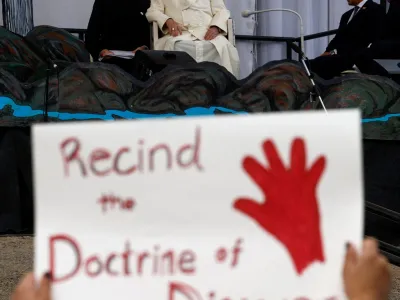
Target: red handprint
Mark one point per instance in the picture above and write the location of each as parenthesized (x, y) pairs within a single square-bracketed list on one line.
[(290, 208)]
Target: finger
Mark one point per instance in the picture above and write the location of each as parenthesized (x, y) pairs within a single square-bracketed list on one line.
[(350, 260), (207, 36), (27, 282), (370, 248), (179, 29), (298, 156), (247, 206), (316, 170), (384, 261), (258, 173), (176, 29), (171, 29), (44, 289), (275, 162), (25, 288), (386, 270)]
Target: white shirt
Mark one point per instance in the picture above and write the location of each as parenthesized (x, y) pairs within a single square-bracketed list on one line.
[(360, 5)]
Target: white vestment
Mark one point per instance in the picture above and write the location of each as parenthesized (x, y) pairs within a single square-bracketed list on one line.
[(196, 16)]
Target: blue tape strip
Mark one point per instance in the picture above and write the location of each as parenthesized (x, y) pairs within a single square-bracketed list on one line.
[(21, 111)]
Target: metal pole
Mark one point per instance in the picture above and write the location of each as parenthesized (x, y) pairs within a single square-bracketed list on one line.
[(3, 3), (329, 15)]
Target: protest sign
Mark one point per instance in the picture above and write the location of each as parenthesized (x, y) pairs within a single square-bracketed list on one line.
[(225, 208)]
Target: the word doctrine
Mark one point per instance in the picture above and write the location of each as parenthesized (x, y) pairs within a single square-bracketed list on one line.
[(156, 262), (126, 160)]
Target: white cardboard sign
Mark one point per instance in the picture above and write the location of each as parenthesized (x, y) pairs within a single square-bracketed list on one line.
[(216, 208)]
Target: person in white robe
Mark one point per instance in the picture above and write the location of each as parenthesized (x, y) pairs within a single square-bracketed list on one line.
[(197, 27)]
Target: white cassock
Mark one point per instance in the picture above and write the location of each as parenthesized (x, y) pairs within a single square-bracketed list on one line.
[(197, 16)]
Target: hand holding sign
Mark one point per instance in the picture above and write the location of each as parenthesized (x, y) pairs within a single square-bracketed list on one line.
[(290, 208), (27, 289)]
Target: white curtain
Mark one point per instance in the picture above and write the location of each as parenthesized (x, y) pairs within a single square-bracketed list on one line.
[(64, 14), (1, 14), (244, 27)]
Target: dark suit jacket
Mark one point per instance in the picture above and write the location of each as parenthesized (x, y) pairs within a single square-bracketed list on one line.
[(117, 25), (391, 31), (363, 29)]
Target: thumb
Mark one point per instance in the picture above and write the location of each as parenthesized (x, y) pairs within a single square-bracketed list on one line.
[(25, 288), (247, 206), (43, 292), (350, 260)]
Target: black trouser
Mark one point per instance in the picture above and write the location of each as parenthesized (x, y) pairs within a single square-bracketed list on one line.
[(385, 49), (330, 66)]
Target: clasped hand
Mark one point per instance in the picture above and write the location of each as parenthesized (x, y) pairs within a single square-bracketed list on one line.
[(212, 33), (175, 29)]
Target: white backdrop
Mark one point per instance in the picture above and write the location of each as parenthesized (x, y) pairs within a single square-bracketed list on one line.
[(318, 15), (244, 27), (61, 13)]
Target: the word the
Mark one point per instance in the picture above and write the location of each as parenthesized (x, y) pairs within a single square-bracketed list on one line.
[(111, 202)]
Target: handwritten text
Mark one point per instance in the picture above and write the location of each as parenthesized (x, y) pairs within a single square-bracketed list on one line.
[(128, 160), (111, 202)]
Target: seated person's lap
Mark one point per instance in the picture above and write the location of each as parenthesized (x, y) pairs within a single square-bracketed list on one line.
[(328, 67), (386, 49), (199, 50)]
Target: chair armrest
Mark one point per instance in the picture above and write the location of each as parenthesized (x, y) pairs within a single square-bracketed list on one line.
[(154, 34), (231, 32)]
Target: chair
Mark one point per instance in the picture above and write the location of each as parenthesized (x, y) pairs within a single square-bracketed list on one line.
[(391, 65), (155, 33)]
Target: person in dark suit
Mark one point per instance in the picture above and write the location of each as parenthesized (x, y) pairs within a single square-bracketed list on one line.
[(359, 27), (388, 47), (117, 25)]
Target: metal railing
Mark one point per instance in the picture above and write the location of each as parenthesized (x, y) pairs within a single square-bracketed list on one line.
[(289, 41), (80, 32)]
